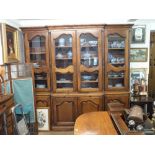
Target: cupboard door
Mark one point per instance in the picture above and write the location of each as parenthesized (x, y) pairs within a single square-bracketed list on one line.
[(89, 104), (89, 60), (64, 111), (117, 98), (116, 60), (42, 100), (63, 61), (37, 48), (41, 79)]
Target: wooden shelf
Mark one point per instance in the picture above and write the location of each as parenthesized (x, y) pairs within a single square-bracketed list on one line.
[(87, 81), (116, 48), (116, 77), (37, 52), (64, 81), (64, 58), (63, 46)]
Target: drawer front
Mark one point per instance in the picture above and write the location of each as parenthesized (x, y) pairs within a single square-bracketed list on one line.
[(43, 101), (121, 98)]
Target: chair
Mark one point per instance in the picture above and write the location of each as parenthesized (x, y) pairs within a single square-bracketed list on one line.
[(20, 123)]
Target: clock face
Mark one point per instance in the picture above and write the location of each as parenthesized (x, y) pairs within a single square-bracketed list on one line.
[(138, 34)]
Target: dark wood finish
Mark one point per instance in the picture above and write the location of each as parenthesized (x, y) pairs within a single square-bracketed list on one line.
[(94, 123), (7, 102), (64, 113), (89, 104)]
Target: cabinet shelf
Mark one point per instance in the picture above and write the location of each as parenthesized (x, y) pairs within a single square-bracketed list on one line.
[(64, 58), (40, 79), (64, 82), (117, 63), (37, 53), (63, 46), (116, 77), (89, 46), (87, 81), (116, 48)]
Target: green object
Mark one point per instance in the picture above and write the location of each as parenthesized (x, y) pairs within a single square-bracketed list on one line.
[(24, 95)]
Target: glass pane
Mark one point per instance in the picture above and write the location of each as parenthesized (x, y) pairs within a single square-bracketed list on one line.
[(63, 51), (116, 41), (37, 50), (116, 79), (64, 80), (116, 52), (89, 80), (41, 80), (89, 50), (116, 58)]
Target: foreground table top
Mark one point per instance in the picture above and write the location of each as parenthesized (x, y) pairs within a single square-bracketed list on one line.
[(94, 123)]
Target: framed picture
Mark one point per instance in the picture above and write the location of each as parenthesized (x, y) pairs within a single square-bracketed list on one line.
[(43, 118), (138, 54), (139, 76), (10, 43), (138, 34)]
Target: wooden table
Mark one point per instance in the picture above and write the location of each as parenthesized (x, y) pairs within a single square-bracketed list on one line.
[(94, 123)]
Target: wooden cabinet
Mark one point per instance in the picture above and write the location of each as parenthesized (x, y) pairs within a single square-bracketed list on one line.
[(43, 100), (76, 60), (83, 62), (63, 61), (64, 112), (116, 58), (89, 60), (89, 104), (120, 98), (37, 52), (7, 101)]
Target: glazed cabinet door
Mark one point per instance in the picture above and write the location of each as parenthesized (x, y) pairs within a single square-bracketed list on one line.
[(63, 61), (64, 111), (89, 60), (89, 104), (36, 45), (37, 52), (116, 59), (41, 79)]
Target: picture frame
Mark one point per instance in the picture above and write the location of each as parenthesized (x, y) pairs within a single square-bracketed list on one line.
[(10, 44), (43, 118), (138, 34), (139, 75), (138, 54)]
